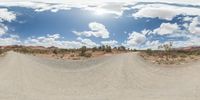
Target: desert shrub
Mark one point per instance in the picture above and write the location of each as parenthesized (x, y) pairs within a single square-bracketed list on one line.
[(88, 55), (115, 48), (62, 56), (63, 51), (108, 48), (134, 50), (83, 49), (55, 51), (121, 48), (198, 52), (182, 55), (174, 55), (167, 48), (102, 48), (94, 49), (76, 58), (149, 51), (1, 51), (72, 55)]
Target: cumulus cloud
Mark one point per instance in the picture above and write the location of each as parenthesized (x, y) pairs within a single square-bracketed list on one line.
[(37, 6), (47, 41), (56, 40), (166, 28), (112, 43), (164, 11), (52, 8), (90, 2), (192, 40), (11, 40), (87, 42), (6, 15), (97, 30), (152, 10), (115, 8), (152, 44), (66, 2), (194, 27), (187, 19), (103, 6), (3, 29), (135, 39)]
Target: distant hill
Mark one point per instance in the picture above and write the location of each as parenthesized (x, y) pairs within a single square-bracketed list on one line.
[(190, 48), (20, 46)]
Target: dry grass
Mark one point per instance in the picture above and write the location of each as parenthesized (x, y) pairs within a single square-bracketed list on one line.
[(2, 52), (76, 55), (73, 54), (173, 57)]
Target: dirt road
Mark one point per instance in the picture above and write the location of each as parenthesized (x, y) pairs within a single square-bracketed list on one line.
[(120, 77)]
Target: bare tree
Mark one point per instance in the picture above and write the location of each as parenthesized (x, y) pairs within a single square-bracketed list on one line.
[(167, 48)]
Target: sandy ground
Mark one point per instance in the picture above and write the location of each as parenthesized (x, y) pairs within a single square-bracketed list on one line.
[(119, 77)]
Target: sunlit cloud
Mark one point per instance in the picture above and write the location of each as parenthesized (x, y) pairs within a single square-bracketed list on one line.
[(76, 23)]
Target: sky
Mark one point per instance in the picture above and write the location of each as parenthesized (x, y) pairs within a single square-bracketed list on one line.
[(138, 24)]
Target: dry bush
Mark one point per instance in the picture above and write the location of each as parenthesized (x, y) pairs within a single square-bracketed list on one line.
[(168, 55), (83, 49), (76, 58), (1, 51), (72, 55), (88, 55)]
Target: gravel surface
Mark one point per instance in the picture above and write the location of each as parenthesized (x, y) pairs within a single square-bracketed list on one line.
[(119, 77)]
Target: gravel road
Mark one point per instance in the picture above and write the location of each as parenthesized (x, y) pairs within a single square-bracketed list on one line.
[(118, 77)]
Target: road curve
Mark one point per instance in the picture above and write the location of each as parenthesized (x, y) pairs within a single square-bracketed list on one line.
[(119, 77)]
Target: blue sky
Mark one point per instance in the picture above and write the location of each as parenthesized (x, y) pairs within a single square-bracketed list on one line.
[(138, 24)]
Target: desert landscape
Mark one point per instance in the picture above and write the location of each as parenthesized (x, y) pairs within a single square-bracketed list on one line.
[(112, 76), (99, 49)]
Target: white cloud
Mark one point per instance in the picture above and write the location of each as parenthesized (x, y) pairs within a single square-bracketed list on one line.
[(105, 7), (163, 11), (194, 27), (166, 28), (187, 19), (151, 12), (191, 41), (114, 8), (97, 30), (53, 8), (38, 6), (112, 43), (11, 40), (185, 25), (90, 2), (152, 44), (192, 2), (55, 40), (6, 15), (69, 2), (3, 29), (47, 41), (134, 40), (87, 42)]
